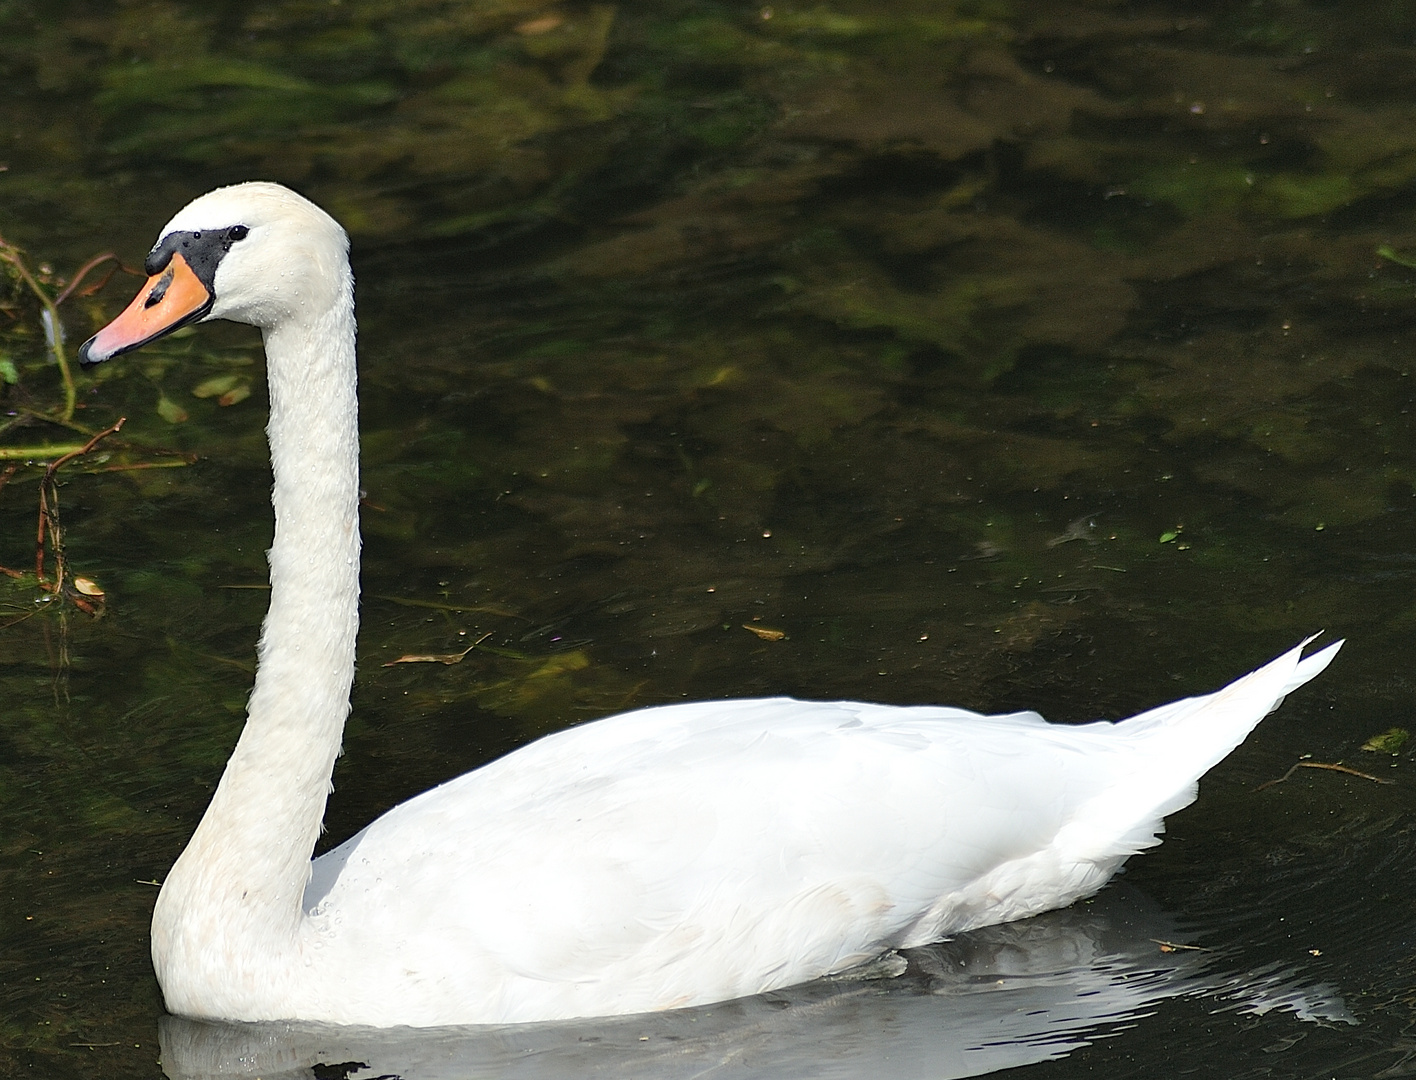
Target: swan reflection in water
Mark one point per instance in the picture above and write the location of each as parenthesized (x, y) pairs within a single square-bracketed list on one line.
[(991, 999)]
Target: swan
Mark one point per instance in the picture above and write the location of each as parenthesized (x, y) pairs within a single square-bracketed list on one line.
[(666, 857)]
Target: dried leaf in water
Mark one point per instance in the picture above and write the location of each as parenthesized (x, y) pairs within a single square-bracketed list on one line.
[(433, 658), (439, 658), (766, 633), (1388, 742), (234, 395), (87, 587)]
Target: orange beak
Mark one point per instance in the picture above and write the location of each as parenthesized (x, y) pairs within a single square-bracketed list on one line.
[(173, 298)]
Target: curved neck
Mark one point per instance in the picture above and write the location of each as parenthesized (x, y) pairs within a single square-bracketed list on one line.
[(246, 867)]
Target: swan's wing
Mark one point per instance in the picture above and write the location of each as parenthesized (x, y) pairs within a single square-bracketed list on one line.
[(700, 852), (707, 851)]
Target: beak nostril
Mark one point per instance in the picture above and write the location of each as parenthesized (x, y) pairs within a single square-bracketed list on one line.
[(159, 290)]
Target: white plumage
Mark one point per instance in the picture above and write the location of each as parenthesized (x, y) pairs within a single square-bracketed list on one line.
[(666, 857)]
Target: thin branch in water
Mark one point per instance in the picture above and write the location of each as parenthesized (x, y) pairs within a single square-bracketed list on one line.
[(72, 425), (82, 272), (1323, 765), (22, 618), (136, 466), (48, 524), (54, 467)]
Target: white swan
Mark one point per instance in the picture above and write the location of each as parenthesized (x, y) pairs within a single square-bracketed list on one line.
[(665, 857)]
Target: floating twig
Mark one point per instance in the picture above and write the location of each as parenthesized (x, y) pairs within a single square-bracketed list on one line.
[(1323, 765), (1175, 946)]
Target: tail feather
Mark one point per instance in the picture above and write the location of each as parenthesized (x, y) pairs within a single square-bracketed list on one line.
[(1310, 667), (1175, 745)]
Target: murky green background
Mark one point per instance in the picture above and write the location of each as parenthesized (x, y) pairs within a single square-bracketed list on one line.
[(999, 354)]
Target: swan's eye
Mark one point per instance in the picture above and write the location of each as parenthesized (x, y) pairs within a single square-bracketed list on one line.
[(237, 232)]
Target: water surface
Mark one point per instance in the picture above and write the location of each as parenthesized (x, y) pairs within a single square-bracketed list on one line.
[(999, 355)]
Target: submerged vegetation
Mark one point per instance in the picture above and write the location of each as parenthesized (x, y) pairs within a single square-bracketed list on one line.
[(27, 413), (972, 351), (893, 185)]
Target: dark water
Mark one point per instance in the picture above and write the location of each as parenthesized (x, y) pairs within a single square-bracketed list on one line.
[(1046, 355)]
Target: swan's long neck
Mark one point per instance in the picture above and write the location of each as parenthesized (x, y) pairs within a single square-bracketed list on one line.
[(241, 879)]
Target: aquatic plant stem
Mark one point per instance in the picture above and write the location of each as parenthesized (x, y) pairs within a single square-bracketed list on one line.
[(11, 255), (14, 257), (29, 453)]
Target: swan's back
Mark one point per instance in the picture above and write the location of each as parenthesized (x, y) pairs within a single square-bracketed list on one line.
[(692, 853)]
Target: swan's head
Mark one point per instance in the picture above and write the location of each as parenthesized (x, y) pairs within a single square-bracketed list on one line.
[(255, 253)]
